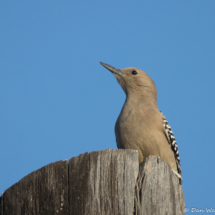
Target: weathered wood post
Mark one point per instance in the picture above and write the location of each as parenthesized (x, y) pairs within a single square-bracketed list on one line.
[(101, 182), (157, 189)]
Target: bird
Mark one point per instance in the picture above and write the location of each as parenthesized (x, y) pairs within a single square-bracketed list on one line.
[(141, 125)]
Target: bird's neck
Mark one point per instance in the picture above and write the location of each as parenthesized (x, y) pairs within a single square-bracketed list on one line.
[(140, 106), (138, 100)]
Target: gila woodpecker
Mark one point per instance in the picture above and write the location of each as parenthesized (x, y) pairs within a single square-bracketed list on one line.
[(140, 125)]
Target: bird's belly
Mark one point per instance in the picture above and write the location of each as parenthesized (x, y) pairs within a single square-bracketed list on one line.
[(139, 136)]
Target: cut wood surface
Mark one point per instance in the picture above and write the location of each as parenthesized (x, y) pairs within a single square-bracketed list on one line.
[(100, 182)]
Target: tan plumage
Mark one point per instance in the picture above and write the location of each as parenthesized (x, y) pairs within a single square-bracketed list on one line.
[(140, 125)]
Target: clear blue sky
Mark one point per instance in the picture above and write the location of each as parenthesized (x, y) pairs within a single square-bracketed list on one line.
[(57, 101)]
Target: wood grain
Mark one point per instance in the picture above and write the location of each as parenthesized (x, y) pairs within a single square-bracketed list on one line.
[(158, 190)]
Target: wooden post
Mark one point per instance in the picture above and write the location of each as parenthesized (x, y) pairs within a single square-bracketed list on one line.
[(101, 182), (157, 189), (44, 191)]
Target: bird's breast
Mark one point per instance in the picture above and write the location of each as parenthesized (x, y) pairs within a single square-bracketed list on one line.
[(138, 130), (129, 129)]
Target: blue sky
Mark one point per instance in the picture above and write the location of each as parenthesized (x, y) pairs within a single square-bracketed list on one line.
[(57, 101)]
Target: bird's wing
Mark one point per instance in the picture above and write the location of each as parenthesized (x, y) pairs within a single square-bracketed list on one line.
[(171, 139)]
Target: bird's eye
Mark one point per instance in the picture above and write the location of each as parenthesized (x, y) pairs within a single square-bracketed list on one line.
[(134, 72)]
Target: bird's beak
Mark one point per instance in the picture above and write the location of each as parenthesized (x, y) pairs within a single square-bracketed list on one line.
[(113, 69)]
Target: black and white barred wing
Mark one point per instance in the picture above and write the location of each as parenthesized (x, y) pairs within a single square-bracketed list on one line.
[(171, 139)]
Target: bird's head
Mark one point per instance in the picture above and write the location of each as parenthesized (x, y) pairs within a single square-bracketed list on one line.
[(134, 82)]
